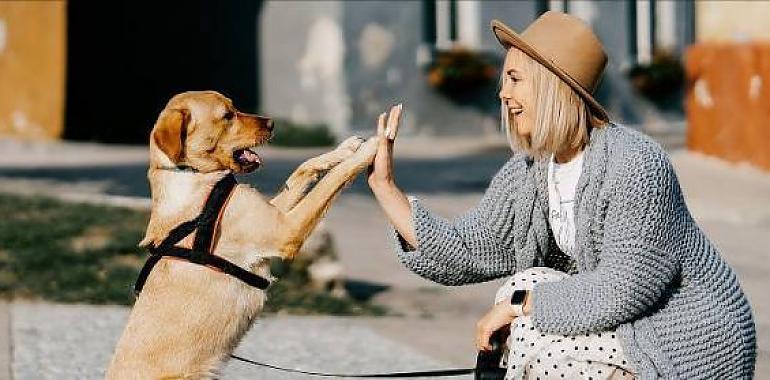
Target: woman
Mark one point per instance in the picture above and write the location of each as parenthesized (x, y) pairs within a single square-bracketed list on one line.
[(640, 267)]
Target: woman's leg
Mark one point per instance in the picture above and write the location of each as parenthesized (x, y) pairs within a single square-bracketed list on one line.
[(533, 354)]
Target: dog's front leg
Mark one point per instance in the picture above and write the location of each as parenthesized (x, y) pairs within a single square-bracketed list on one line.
[(310, 171), (306, 214)]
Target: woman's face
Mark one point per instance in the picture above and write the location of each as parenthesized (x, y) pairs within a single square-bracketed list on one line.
[(516, 93)]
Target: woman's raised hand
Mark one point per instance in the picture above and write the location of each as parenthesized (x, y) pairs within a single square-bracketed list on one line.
[(393, 202), (381, 171)]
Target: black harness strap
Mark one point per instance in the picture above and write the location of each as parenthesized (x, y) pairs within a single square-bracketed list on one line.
[(209, 217), (205, 226)]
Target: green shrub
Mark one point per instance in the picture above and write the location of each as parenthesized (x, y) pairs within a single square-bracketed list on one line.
[(291, 134)]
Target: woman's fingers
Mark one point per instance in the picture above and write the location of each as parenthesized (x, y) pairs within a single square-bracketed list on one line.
[(382, 148), (482, 338), (382, 133), (379, 171), (381, 124), (482, 335), (393, 119), (499, 317), (387, 125)]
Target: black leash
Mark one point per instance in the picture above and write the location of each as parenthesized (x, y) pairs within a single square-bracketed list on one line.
[(436, 373), (487, 366)]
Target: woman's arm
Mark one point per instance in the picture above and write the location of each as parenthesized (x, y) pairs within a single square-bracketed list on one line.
[(383, 185), (475, 247), (636, 263)]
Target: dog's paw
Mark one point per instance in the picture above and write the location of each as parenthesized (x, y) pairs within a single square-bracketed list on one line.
[(351, 144), (346, 149), (368, 149)]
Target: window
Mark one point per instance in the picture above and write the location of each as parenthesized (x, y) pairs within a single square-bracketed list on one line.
[(448, 23)]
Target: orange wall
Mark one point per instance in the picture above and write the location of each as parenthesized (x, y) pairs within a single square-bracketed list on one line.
[(728, 101), (32, 68)]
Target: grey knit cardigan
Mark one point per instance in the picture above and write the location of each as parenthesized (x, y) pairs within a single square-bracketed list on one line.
[(645, 269)]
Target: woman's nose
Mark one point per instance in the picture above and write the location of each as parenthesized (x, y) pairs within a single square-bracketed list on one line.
[(505, 93)]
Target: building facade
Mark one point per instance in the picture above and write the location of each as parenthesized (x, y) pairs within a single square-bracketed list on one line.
[(342, 63), (63, 65)]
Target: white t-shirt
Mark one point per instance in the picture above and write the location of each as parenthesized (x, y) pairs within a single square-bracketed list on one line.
[(562, 182)]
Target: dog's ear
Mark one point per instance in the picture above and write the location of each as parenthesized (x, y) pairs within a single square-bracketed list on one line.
[(170, 133)]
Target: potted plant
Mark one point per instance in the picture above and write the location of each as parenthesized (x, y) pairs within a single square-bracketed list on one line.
[(459, 73), (661, 80)]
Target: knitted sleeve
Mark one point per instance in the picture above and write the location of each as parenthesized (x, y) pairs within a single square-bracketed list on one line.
[(474, 247), (636, 262)]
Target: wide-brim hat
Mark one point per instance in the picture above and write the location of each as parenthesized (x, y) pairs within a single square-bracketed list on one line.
[(566, 46)]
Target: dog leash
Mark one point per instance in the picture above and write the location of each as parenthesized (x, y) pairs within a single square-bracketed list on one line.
[(432, 373), (487, 366)]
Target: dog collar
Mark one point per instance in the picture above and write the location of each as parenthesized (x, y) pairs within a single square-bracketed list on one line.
[(179, 168)]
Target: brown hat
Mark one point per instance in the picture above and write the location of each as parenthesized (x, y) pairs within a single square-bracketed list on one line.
[(566, 46)]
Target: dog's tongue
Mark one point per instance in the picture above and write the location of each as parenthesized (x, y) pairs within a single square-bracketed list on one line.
[(248, 156)]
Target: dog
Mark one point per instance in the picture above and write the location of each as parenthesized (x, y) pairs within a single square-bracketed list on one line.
[(189, 318)]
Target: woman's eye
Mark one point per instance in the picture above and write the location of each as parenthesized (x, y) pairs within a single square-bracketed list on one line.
[(229, 115)]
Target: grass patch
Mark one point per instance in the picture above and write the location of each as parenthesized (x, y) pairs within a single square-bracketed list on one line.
[(66, 252), (287, 133)]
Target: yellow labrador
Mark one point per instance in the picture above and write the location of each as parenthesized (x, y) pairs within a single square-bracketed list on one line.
[(189, 318)]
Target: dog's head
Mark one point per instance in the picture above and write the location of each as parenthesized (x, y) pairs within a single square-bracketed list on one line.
[(202, 130)]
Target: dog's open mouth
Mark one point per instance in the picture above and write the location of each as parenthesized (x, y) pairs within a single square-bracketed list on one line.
[(247, 158)]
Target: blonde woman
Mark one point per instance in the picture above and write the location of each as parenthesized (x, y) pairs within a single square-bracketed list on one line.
[(629, 275)]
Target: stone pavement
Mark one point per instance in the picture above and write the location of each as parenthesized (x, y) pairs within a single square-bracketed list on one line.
[(730, 202), (76, 341)]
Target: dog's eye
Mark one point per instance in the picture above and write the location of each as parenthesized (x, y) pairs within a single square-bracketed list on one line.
[(229, 115)]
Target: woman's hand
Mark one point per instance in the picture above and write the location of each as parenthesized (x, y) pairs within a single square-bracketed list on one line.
[(501, 316), (381, 181), (381, 171)]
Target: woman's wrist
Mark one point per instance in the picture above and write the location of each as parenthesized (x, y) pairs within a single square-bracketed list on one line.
[(397, 208), (520, 302), (382, 185), (384, 188)]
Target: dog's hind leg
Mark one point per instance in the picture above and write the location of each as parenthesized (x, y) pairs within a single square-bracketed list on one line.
[(310, 171), (306, 214)]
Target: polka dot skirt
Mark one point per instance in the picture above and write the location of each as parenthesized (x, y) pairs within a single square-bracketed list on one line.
[(533, 355)]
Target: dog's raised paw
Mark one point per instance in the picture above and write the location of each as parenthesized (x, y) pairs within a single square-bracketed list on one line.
[(369, 148), (351, 143)]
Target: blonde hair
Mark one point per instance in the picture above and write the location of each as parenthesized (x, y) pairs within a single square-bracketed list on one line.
[(562, 120)]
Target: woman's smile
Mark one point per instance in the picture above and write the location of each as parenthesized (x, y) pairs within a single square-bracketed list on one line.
[(513, 111)]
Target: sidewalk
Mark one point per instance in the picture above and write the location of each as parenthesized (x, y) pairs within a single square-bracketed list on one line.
[(76, 342)]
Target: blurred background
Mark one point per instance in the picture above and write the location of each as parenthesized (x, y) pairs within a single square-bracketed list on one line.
[(81, 84)]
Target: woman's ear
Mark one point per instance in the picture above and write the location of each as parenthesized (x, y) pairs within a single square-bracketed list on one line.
[(170, 133)]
